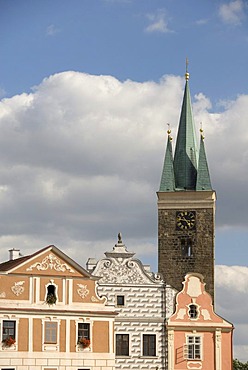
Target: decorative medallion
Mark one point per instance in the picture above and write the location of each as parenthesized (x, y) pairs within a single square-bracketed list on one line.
[(18, 289), (51, 262), (82, 291)]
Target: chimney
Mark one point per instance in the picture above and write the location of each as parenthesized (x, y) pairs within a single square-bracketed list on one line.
[(91, 264), (14, 254)]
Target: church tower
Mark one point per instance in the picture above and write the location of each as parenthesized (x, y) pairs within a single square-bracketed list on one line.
[(186, 206)]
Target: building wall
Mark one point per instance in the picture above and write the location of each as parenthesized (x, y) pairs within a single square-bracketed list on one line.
[(174, 264), (23, 301), (197, 337), (143, 313)]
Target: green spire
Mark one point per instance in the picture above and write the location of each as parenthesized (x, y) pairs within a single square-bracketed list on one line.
[(168, 180), (203, 178), (186, 153), (189, 169)]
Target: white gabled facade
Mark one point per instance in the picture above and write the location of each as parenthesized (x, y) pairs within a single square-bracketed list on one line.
[(139, 298)]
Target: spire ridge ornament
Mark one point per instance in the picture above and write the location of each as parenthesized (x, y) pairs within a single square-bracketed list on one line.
[(187, 73), (201, 132), (169, 132)]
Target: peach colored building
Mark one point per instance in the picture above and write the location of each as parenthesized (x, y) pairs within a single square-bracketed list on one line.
[(197, 337), (51, 317)]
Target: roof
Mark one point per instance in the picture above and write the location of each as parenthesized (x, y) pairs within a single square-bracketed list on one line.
[(11, 265), (188, 170)]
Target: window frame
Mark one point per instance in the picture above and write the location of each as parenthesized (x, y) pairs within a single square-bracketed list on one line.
[(194, 347), (50, 346), (87, 329), (149, 348), (120, 350), (47, 341), (193, 313), (186, 246), (121, 296), (54, 294), (5, 336), (13, 347)]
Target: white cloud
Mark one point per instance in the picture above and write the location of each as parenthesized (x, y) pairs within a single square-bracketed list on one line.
[(158, 22), (231, 283), (232, 12), (52, 30), (202, 21), (81, 159)]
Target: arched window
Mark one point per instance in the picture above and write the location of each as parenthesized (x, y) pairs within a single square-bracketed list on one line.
[(51, 296), (193, 311)]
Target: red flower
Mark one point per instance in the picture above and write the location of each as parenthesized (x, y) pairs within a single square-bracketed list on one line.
[(84, 342), (9, 341)]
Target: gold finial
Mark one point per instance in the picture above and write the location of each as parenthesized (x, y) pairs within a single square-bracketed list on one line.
[(201, 131), (187, 73), (169, 131)]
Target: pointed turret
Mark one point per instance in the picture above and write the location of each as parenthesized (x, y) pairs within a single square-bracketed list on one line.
[(186, 152), (168, 179), (203, 178)]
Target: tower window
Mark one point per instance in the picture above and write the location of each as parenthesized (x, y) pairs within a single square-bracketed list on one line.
[(193, 311), (186, 245)]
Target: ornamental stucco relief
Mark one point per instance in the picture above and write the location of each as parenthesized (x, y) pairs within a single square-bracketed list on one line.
[(122, 271), (170, 301), (82, 291), (18, 288), (51, 262)]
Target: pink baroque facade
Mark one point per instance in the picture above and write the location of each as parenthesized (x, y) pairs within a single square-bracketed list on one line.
[(197, 337)]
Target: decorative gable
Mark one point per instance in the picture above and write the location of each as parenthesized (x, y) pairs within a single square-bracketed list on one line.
[(122, 271), (121, 268), (48, 261), (194, 305), (51, 262)]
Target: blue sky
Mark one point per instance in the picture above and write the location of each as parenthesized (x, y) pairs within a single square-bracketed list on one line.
[(87, 89), (138, 40)]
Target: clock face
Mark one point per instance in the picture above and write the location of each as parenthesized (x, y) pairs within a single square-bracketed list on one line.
[(185, 220)]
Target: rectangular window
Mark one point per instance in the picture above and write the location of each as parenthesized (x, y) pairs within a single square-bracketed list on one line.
[(186, 244), (83, 331), (193, 348), (122, 345), (51, 329), (120, 300), (9, 329), (149, 345)]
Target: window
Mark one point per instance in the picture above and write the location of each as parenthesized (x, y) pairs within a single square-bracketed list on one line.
[(120, 300), (51, 297), (193, 311), (193, 348), (122, 345), (149, 345), (51, 332), (186, 244), (83, 331), (9, 330)]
